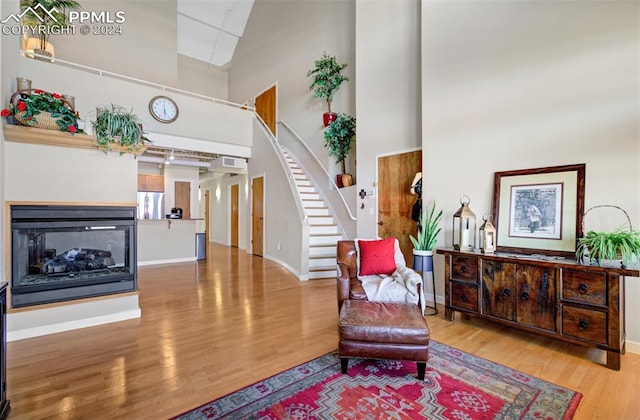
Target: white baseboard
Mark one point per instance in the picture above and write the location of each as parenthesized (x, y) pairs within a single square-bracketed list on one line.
[(288, 267), (167, 261), (632, 347), (37, 322)]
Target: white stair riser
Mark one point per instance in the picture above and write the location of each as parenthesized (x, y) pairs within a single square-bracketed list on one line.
[(319, 211), (323, 250), (323, 229), (300, 176), (323, 274), (307, 189), (303, 183), (310, 196), (327, 220), (321, 262), (313, 203), (324, 240)]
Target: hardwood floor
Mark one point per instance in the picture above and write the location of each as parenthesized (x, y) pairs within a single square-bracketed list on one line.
[(211, 327)]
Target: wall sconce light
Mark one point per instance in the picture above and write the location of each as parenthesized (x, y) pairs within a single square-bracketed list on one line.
[(487, 236), (172, 155), (218, 192), (464, 227)]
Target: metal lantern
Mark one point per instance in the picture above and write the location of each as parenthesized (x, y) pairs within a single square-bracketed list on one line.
[(487, 236), (464, 227)]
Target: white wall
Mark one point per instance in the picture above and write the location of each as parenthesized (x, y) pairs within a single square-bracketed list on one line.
[(175, 173), (523, 84), (8, 70), (146, 49), (283, 227), (198, 76), (62, 174), (387, 91), (280, 44), (198, 118), (219, 216)]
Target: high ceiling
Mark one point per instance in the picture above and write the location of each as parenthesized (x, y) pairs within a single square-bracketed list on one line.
[(209, 30)]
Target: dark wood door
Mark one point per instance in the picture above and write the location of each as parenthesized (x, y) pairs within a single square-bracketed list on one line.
[(536, 296), (395, 174), (499, 289), (266, 108), (183, 198), (257, 218), (234, 214)]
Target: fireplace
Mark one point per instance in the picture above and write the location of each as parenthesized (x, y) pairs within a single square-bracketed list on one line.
[(61, 253)]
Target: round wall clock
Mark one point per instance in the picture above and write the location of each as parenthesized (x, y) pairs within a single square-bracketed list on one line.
[(163, 109)]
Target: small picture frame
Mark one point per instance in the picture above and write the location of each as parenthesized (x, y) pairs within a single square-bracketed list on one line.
[(539, 210)]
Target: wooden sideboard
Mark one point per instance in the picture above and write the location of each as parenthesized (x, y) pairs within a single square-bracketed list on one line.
[(560, 298)]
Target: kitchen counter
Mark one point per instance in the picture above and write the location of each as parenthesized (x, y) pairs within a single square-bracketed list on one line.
[(163, 241)]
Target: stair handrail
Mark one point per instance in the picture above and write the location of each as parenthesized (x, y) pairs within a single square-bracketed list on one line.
[(314, 156), (283, 161), (118, 76)]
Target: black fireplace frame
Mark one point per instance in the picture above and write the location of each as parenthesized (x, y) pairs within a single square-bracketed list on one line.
[(67, 216)]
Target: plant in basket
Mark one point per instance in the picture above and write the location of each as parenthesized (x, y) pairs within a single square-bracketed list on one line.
[(621, 244), (42, 109)]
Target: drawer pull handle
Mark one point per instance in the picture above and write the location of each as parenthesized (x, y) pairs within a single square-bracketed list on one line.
[(525, 296), (463, 298), (583, 325), (582, 288), (506, 292), (463, 269)]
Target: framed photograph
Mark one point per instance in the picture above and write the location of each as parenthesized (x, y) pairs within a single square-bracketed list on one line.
[(539, 210)]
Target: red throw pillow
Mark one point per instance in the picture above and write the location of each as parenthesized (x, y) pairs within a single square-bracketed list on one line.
[(376, 257)]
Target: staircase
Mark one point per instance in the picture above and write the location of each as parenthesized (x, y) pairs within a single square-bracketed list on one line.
[(323, 230)]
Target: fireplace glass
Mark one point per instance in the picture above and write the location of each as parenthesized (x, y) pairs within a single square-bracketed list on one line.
[(62, 253)]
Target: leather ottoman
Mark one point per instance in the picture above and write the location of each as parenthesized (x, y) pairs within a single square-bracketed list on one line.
[(383, 330)]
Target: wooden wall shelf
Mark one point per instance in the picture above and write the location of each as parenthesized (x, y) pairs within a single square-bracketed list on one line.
[(22, 134)]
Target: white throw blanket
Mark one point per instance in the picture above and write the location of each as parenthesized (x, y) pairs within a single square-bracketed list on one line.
[(400, 286)]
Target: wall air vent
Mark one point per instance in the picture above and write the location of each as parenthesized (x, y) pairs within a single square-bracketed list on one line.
[(228, 164)]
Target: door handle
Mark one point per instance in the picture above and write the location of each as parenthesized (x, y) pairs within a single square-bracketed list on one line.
[(380, 223)]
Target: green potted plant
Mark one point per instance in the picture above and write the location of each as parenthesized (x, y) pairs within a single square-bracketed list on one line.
[(620, 244), (327, 78), (338, 137), (423, 245), (48, 15), (118, 126), (428, 230)]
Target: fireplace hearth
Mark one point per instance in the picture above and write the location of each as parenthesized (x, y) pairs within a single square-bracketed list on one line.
[(61, 253)]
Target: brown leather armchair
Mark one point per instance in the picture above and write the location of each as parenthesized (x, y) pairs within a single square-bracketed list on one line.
[(349, 287), (376, 330)]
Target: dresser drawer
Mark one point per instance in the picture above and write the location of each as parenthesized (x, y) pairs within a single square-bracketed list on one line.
[(464, 296), (585, 324), (464, 268), (579, 286)]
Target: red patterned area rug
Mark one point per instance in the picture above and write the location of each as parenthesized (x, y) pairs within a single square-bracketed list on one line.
[(457, 386)]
